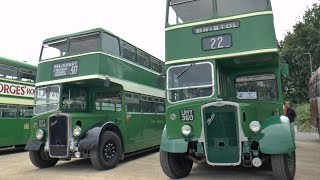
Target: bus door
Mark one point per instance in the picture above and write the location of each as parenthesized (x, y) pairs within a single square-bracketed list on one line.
[(134, 122)]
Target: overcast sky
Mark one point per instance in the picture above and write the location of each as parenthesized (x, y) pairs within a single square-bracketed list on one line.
[(25, 24)]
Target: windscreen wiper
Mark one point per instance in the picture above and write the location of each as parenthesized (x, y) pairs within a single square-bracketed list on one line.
[(185, 70), (181, 2)]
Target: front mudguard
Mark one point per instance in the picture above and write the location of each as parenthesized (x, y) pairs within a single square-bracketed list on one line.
[(90, 139), (172, 145), (33, 145), (275, 136)]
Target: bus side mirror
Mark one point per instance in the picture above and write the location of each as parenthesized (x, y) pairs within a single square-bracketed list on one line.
[(285, 69)]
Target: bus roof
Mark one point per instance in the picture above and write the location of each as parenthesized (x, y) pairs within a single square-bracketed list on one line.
[(78, 33), (17, 63)]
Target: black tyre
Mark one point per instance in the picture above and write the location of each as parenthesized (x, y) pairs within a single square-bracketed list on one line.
[(108, 153), (41, 159), (284, 166), (175, 165)]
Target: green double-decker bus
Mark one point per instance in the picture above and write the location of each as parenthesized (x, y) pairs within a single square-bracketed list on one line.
[(17, 81), (97, 96), (223, 88)]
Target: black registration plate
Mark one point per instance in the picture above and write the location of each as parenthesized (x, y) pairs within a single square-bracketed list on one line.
[(217, 42), (187, 115)]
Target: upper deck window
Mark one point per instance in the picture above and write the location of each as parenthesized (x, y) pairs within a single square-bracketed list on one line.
[(143, 58), (27, 75), (235, 7), (185, 11), (190, 81), (110, 44), (54, 49), (8, 72), (128, 51), (257, 87), (84, 44)]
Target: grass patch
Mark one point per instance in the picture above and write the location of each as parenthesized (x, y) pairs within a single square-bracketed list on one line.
[(304, 118)]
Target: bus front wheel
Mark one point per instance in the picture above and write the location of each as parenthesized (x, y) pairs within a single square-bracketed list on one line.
[(284, 166), (108, 153), (175, 165), (42, 160)]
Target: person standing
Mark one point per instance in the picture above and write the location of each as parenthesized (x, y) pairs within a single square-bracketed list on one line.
[(291, 114)]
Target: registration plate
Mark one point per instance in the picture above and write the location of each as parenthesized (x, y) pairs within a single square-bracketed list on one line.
[(217, 42), (187, 115)]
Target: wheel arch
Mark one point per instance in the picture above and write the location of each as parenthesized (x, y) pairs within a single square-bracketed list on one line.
[(275, 136), (91, 138)]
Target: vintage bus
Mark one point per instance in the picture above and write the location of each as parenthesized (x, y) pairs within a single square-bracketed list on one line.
[(314, 90), (223, 88), (97, 96), (17, 81)]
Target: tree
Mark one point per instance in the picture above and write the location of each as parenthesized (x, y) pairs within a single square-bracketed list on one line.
[(305, 38)]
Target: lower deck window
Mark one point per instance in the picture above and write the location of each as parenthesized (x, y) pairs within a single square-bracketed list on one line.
[(147, 104), (14, 111), (108, 101), (259, 87)]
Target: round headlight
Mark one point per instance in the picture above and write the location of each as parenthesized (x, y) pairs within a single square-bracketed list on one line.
[(77, 131), (39, 134), (255, 126), (186, 130), (173, 117)]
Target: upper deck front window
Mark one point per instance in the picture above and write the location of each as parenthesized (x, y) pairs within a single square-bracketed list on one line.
[(185, 11), (54, 49), (78, 45), (235, 7), (84, 44), (190, 81)]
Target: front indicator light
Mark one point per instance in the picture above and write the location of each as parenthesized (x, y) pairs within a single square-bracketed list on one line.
[(77, 131), (39, 134), (173, 117), (186, 130), (255, 126)]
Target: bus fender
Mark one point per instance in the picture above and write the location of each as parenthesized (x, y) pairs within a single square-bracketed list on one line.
[(172, 145), (90, 139), (275, 136), (33, 145)]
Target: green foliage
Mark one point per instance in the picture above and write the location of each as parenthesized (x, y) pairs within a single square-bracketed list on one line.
[(303, 118), (305, 38)]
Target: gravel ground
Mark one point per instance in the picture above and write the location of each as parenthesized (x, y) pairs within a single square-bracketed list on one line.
[(16, 165)]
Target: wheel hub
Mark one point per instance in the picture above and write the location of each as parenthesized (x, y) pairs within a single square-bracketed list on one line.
[(109, 151)]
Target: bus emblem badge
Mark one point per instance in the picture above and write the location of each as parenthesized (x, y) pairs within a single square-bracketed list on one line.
[(209, 120), (53, 123)]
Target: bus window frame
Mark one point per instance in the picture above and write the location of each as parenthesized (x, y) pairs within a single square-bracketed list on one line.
[(206, 86), (256, 74), (214, 14)]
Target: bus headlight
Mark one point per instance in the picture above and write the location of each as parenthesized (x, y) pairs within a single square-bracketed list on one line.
[(39, 134), (255, 126), (77, 131), (186, 130)]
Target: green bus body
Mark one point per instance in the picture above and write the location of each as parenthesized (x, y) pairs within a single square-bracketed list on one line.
[(17, 81), (223, 75), (100, 84)]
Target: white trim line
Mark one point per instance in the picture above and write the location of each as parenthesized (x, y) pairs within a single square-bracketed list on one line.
[(241, 136), (90, 53), (127, 85), (261, 51), (220, 20)]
